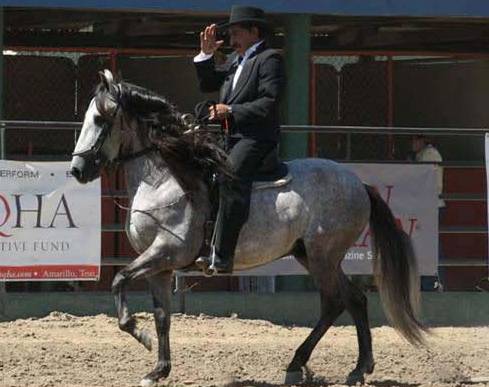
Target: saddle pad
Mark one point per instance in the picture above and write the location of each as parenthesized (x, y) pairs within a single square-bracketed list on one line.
[(273, 184)]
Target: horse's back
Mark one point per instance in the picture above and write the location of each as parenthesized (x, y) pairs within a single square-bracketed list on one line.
[(323, 196), (324, 172), (334, 194)]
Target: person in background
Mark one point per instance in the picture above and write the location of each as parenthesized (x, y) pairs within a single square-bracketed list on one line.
[(424, 151)]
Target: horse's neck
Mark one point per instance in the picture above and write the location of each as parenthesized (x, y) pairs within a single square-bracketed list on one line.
[(149, 170), (150, 177)]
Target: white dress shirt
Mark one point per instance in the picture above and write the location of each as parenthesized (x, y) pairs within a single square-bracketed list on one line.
[(430, 154)]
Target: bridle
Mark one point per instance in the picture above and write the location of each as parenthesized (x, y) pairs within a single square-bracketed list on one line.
[(95, 150)]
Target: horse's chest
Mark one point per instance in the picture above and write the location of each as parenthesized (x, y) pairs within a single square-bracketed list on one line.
[(140, 231)]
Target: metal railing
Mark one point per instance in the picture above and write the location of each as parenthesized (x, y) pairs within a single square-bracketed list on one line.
[(398, 130), (6, 126)]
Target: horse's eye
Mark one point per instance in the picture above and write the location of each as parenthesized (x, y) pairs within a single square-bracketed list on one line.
[(98, 120)]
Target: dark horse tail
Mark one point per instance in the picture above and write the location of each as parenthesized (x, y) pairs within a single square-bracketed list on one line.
[(395, 270)]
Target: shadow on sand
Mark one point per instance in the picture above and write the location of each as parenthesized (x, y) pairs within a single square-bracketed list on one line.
[(318, 381)]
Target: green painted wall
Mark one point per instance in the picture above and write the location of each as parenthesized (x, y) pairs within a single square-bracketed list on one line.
[(291, 308), (2, 132), (296, 111), (296, 104), (1, 63)]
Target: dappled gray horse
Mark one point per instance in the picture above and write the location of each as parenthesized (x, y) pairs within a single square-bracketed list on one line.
[(316, 217)]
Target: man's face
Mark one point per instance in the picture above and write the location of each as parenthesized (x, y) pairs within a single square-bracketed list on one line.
[(417, 144), (241, 38)]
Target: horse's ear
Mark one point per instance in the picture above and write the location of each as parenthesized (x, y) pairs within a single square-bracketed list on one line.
[(106, 78)]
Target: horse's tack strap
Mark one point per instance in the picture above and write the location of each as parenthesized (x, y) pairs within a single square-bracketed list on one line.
[(273, 184)]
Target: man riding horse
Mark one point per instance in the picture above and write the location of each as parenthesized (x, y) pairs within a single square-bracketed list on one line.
[(250, 83), (316, 217)]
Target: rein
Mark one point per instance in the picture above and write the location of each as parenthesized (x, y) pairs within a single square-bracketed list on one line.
[(202, 120), (148, 212), (132, 156), (95, 149)]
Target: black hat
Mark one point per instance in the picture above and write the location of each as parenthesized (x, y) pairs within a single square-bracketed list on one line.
[(243, 14)]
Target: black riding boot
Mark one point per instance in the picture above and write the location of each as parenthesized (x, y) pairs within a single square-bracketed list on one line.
[(245, 156), (233, 213)]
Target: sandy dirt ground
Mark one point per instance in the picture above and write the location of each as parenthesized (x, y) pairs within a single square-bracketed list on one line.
[(64, 350)]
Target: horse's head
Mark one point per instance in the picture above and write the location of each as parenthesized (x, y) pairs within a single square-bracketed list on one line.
[(117, 120), (100, 138)]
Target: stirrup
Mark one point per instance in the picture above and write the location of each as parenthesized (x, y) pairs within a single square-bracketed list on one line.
[(208, 273), (211, 270)]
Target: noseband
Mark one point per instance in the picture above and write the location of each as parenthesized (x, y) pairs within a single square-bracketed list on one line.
[(95, 149)]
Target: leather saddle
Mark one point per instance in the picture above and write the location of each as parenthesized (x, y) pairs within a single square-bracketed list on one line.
[(272, 174), (272, 169)]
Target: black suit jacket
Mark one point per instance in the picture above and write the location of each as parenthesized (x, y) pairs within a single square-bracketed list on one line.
[(255, 99)]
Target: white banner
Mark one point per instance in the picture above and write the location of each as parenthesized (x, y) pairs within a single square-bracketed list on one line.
[(49, 223), (487, 187), (411, 192)]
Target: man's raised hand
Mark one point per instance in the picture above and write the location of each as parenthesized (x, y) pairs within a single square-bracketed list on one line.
[(208, 43)]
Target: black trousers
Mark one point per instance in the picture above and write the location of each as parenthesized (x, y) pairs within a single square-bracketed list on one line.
[(246, 156)]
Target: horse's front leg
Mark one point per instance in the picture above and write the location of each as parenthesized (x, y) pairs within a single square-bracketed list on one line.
[(161, 289), (153, 261)]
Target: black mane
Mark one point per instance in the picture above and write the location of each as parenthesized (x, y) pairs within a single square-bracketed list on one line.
[(191, 157)]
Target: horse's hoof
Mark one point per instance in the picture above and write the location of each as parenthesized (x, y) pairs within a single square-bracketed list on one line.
[(161, 371), (146, 382), (370, 367), (147, 340), (293, 377), (354, 378)]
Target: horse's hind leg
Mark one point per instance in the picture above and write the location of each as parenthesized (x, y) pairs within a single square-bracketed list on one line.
[(160, 285), (356, 304), (331, 307)]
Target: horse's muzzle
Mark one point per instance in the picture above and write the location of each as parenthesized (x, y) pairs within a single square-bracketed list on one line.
[(84, 169)]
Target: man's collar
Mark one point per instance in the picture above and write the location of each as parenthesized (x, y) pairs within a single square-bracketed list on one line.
[(249, 51), (253, 48)]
